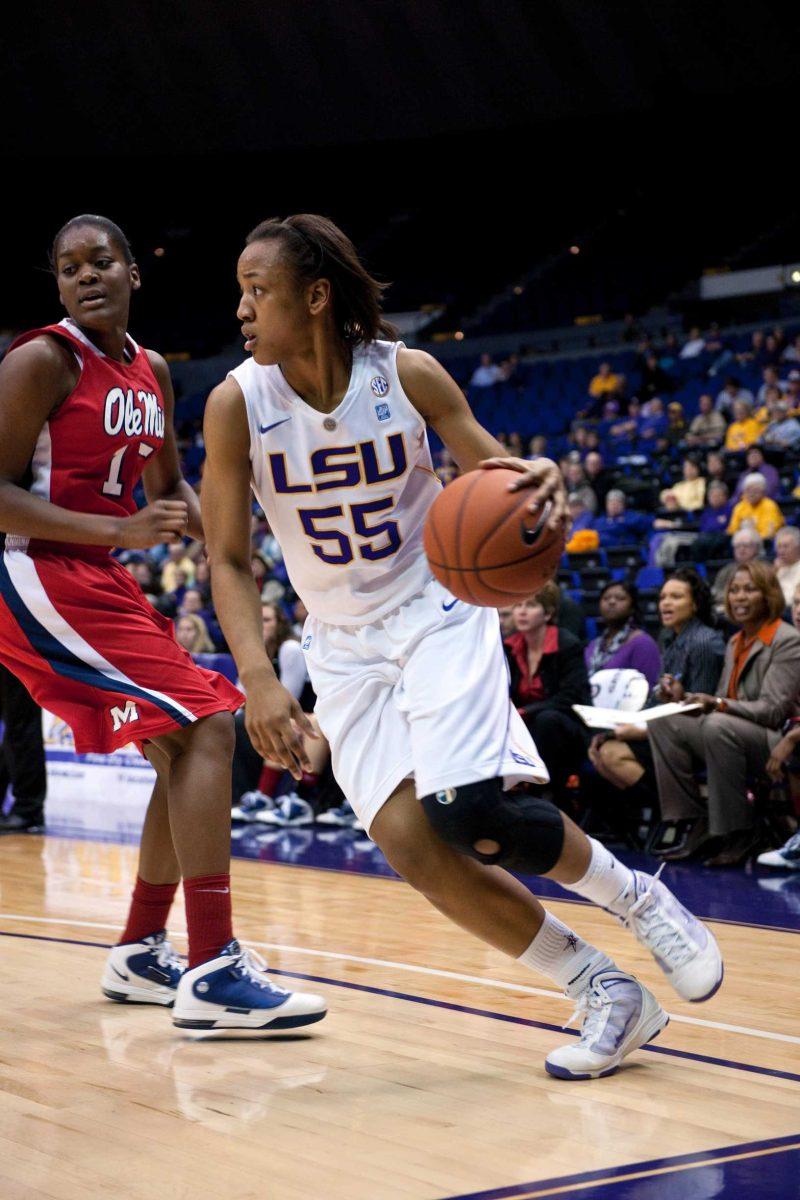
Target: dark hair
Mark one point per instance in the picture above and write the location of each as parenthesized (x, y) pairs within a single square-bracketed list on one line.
[(550, 599), (764, 577), (283, 628), (631, 591), (315, 248), (114, 232), (701, 592)]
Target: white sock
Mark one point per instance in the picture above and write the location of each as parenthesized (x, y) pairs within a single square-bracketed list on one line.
[(607, 881), (563, 956)]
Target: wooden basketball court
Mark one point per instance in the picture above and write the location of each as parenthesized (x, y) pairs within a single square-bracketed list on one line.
[(425, 1082)]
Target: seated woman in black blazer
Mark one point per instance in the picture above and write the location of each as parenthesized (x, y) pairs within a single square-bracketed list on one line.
[(548, 676)]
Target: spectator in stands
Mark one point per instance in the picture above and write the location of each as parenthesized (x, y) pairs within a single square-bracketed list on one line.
[(675, 433), (537, 447), (756, 509), (580, 515), (486, 374), (655, 381), (787, 560), (507, 626), (202, 578), (177, 561), (747, 546), (744, 429), (690, 492), (653, 422), (627, 428), (792, 394), (192, 634), (548, 676), (515, 446), (792, 352), (578, 484), (766, 413), (754, 355), (772, 348), (694, 345), (606, 382), (623, 643), (783, 431), (619, 527), (299, 615), (739, 726), (732, 390), (757, 464), (691, 653), (145, 576), (708, 427), (770, 380), (716, 467), (597, 476), (511, 372)]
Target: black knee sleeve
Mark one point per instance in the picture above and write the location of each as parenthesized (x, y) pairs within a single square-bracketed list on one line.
[(528, 830)]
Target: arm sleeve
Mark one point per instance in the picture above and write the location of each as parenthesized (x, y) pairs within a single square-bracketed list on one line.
[(645, 657), (292, 668), (779, 689)]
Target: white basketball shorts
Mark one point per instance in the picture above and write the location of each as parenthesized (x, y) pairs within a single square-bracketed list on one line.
[(422, 694)]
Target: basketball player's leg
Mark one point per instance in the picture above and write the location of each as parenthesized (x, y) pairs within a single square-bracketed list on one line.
[(224, 986), (488, 902), (143, 968)]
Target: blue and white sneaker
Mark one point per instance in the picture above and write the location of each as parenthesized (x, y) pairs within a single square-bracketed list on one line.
[(146, 972), (619, 1015), (290, 811), (233, 991), (787, 858), (252, 807), (342, 817), (684, 948)]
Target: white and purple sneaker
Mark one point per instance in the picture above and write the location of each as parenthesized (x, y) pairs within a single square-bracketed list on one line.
[(684, 948), (787, 858), (146, 972), (619, 1015), (233, 991)]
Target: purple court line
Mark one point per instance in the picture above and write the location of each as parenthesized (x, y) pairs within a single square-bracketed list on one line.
[(611, 1175), (451, 1006)]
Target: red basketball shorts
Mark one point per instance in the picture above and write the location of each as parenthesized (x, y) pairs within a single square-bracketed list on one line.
[(90, 648)]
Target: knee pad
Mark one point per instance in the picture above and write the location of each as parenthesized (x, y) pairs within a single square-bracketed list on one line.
[(529, 830)]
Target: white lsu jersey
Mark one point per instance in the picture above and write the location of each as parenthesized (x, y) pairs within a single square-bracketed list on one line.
[(346, 492)]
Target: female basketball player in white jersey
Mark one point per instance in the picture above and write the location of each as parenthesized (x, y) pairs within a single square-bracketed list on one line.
[(327, 424)]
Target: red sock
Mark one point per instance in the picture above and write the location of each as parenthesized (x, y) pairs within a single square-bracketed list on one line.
[(208, 916), (150, 905), (269, 780)]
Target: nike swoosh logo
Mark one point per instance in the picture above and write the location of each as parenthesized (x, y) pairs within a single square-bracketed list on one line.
[(266, 428), (221, 891), (116, 972), (447, 607)]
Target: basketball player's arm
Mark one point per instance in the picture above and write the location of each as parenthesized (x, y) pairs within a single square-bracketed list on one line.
[(440, 401), (34, 380), (273, 717), (162, 477)]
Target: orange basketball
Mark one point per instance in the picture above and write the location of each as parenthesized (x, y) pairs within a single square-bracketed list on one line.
[(484, 546)]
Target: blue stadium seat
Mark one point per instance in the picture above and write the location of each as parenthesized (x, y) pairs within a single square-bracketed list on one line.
[(650, 577)]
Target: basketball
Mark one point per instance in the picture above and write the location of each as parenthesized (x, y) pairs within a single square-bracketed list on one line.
[(484, 545)]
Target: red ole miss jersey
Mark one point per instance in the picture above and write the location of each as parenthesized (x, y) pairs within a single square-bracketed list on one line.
[(93, 448)]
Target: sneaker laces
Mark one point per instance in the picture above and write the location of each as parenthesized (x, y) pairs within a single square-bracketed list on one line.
[(167, 958), (590, 1008), (663, 936), (251, 966)]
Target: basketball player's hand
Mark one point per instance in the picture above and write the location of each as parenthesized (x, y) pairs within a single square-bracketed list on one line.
[(275, 724), (161, 521), (546, 480)]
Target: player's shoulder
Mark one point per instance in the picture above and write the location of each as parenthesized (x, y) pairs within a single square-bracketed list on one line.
[(226, 412), (44, 360), (158, 365), (417, 366)]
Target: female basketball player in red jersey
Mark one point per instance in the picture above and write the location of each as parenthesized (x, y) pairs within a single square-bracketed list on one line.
[(327, 421), (84, 414)]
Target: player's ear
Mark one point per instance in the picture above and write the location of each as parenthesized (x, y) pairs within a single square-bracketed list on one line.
[(136, 279), (319, 295)]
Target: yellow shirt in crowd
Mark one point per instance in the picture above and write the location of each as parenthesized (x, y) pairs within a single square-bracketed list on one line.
[(742, 434), (604, 383), (765, 516), (690, 494)]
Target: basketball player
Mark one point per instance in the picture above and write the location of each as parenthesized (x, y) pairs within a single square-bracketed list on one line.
[(326, 421), (84, 414)]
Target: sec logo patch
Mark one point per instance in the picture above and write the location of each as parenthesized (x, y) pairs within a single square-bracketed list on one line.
[(379, 385)]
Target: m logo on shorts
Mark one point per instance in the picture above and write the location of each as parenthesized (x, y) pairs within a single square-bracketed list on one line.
[(124, 716), (446, 797)]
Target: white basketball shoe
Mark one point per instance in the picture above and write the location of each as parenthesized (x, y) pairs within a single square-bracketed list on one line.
[(146, 972), (233, 991), (684, 948), (618, 1016)]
